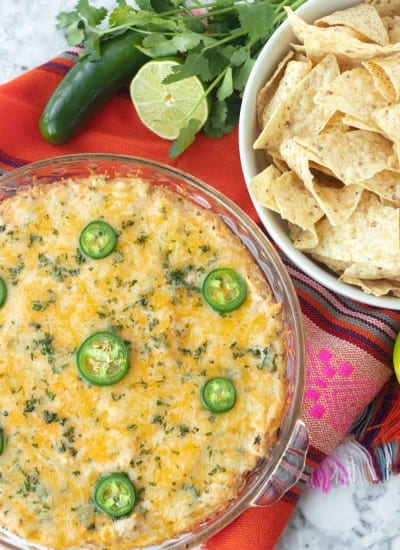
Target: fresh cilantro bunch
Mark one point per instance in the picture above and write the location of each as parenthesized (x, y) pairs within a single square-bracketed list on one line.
[(218, 42)]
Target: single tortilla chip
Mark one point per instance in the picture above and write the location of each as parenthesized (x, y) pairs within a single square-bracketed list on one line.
[(339, 41), (356, 124), (294, 73), (371, 235), (338, 204), (280, 163), (353, 156), (353, 93), (388, 119), (298, 115), (297, 157), (385, 72), (385, 7), (337, 266), (261, 187), (362, 18), (337, 122), (289, 192), (303, 239), (386, 185), (377, 287), (392, 24), (268, 90), (370, 271)]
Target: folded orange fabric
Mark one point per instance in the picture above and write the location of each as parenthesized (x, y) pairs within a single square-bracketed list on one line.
[(349, 346)]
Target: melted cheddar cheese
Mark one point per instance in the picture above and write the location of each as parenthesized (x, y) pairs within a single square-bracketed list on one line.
[(61, 433)]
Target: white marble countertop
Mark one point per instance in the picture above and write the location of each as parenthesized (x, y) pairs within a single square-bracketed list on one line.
[(359, 517)]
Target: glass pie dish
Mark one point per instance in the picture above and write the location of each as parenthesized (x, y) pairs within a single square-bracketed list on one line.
[(277, 472)]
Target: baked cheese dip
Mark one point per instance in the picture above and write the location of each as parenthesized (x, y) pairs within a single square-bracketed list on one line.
[(142, 364)]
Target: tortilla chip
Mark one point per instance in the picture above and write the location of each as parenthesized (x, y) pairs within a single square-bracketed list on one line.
[(337, 266), (338, 204), (298, 114), (336, 122), (298, 159), (356, 124), (373, 279), (294, 73), (289, 191), (353, 93), (362, 18), (385, 7), (386, 74), (386, 185), (392, 24), (334, 199), (352, 156), (268, 90), (371, 235), (370, 271), (377, 287), (261, 187), (303, 239), (339, 41), (280, 164), (388, 119)]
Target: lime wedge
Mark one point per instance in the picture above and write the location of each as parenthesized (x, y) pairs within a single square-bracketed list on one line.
[(396, 357), (166, 108)]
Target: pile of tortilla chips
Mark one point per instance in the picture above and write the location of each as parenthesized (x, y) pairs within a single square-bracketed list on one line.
[(330, 128)]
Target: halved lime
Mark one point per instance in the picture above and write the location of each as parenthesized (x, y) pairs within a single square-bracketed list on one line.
[(396, 357), (166, 108)]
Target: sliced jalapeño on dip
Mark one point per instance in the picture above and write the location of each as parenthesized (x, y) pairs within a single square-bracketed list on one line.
[(224, 289), (102, 359), (97, 239), (114, 494), (3, 292), (218, 395)]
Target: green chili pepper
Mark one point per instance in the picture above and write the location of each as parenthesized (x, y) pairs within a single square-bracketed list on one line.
[(114, 494), (97, 239), (218, 395), (88, 85), (224, 289), (102, 359), (3, 292)]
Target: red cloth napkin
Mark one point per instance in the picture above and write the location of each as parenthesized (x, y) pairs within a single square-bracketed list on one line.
[(349, 346)]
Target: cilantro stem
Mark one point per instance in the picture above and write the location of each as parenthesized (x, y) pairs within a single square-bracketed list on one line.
[(207, 92), (228, 38)]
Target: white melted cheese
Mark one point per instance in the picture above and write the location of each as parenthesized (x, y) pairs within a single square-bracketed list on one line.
[(62, 433)]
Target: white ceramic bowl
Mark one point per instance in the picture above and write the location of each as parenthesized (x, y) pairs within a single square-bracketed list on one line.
[(253, 161)]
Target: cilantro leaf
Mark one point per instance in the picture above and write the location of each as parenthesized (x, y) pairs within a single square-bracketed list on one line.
[(94, 16), (256, 19), (73, 27), (194, 65), (226, 88), (156, 45), (186, 137), (242, 75), (240, 56)]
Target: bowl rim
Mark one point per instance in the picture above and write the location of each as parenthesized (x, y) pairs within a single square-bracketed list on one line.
[(269, 57), (243, 501)]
